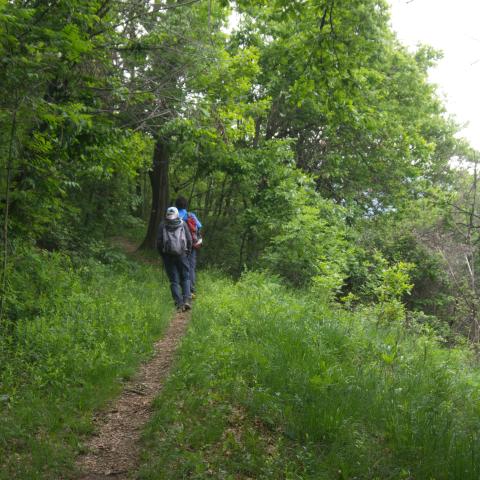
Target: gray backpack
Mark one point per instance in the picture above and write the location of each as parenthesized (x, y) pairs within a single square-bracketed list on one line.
[(174, 240)]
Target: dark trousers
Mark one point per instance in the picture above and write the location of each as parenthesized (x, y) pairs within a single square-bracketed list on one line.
[(192, 261), (178, 272)]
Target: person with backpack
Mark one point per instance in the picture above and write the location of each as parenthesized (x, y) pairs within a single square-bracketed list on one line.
[(194, 226), (174, 243)]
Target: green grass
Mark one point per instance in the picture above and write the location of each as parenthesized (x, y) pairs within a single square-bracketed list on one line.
[(79, 331), (271, 384)]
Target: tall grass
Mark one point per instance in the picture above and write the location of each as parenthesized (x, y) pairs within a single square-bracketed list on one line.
[(77, 331), (271, 384)]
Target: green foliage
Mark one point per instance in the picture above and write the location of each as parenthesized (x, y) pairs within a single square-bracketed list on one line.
[(72, 170), (311, 246), (365, 120), (325, 87), (421, 233), (394, 284), (307, 141), (252, 191), (68, 345), (272, 384)]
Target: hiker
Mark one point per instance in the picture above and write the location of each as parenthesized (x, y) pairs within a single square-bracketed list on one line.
[(194, 225), (174, 242)]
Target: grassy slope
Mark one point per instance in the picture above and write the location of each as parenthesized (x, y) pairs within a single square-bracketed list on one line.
[(270, 385), (88, 328)]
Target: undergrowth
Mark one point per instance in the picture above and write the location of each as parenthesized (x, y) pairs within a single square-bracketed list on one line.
[(78, 329), (272, 384)]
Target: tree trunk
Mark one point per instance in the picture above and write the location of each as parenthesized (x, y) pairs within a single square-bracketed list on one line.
[(9, 166), (160, 191)]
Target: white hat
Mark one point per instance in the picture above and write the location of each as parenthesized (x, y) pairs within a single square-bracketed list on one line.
[(172, 213)]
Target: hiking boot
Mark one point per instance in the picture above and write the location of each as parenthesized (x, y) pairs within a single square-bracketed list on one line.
[(180, 308), (187, 306)]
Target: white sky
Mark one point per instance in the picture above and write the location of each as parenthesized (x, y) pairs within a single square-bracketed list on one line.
[(452, 26)]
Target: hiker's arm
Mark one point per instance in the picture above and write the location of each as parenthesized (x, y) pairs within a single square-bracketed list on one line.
[(189, 237)]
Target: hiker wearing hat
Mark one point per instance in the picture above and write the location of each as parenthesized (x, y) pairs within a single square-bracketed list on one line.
[(194, 225), (174, 242)]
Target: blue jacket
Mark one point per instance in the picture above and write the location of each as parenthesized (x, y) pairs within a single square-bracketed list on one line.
[(183, 214)]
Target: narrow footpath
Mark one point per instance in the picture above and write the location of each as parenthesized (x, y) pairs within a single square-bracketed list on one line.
[(113, 451)]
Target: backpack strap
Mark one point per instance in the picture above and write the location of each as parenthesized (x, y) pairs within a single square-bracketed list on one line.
[(165, 238)]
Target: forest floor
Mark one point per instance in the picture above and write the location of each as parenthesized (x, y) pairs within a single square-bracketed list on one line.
[(130, 248), (113, 451)]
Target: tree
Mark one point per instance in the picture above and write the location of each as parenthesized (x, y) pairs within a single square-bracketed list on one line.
[(365, 121)]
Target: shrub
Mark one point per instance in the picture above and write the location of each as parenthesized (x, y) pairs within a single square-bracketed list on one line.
[(311, 248)]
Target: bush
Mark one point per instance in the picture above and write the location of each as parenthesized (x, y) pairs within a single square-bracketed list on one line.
[(311, 248)]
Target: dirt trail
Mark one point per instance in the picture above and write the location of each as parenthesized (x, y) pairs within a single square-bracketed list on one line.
[(131, 249), (113, 452)]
